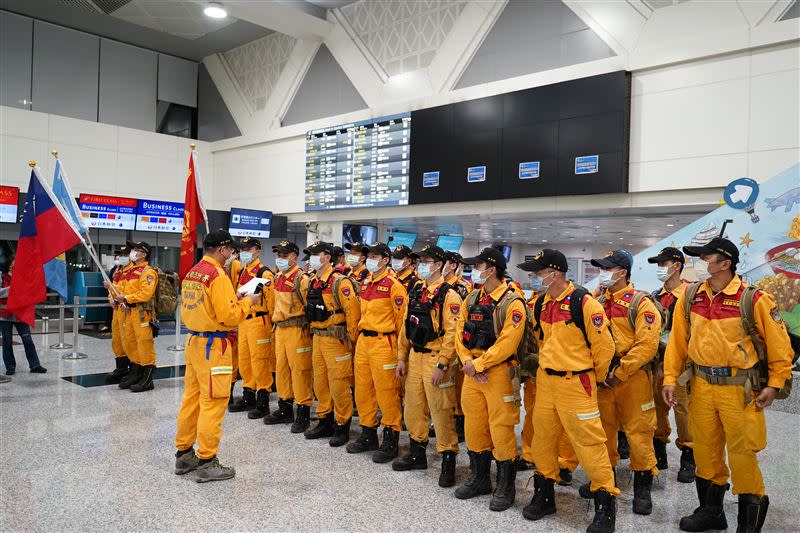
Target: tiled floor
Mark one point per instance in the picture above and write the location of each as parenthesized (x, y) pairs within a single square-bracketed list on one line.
[(101, 459)]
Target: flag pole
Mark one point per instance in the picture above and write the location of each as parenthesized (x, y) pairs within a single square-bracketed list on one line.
[(88, 233), (197, 185)]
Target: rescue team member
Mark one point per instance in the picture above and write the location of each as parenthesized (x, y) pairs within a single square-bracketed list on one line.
[(256, 352), (383, 310), (292, 340), (626, 395), (452, 273), (487, 350), (339, 263), (209, 308), (248, 400), (333, 312), (728, 396), (404, 264), (572, 361), (356, 260), (136, 303), (425, 358), (670, 263), (122, 264)]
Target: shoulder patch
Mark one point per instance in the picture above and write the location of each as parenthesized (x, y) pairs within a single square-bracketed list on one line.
[(776, 315), (649, 317), (398, 300), (150, 278), (597, 319), (346, 292), (455, 309), (516, 317)]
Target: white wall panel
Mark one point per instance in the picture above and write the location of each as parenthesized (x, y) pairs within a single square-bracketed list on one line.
[(128, 77), (64, 130), (22, 123), (686, 173), (15, 152), (775, 111)]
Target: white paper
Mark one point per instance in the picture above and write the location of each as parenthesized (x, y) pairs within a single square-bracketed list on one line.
[(250, 286)]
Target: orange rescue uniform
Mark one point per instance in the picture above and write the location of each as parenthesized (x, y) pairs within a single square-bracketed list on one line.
[(256, 348), (140, 289)]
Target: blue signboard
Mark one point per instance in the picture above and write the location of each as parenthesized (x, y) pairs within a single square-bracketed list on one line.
[(476, 174), (250, 223), (741, 193), (107, 212), (529, 170), (449, 243), (152, 215), (399, 238), (430, 179), (587, 164)]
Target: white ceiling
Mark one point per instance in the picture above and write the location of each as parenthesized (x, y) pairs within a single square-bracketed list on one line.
[(182, 18)]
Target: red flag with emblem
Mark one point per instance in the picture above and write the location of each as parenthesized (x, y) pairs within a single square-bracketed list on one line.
[(194, 214)]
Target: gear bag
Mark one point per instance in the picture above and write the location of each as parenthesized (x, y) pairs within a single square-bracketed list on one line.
[(316, 310), (419, 323), (165, 301), (575, 313)]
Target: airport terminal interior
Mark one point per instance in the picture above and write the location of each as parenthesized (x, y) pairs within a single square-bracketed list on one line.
[(398, 140)]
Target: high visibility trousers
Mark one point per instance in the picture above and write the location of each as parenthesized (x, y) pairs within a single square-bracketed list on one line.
[(459, 388), (629, 406), (719, 419), (663, 429), (566, 453), (139, 332), (117, 333), (127, 335), (333, 374), (294, 376), (490, 414), (425, 401), (569, 404), (376, 382), (207, 387), (255, 345)]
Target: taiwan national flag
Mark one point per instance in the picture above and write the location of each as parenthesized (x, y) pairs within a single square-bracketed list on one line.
[(45, 234)]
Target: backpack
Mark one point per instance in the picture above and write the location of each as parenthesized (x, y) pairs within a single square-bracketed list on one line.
[(165, 301), (748, 324), (575, 312)]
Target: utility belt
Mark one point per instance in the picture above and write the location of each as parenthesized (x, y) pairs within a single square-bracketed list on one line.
[(210, 335), (337, 331), (295, 321), (421, 349), (257, 314), (565, 373), (651, 366), (749, 378), (370, 333)]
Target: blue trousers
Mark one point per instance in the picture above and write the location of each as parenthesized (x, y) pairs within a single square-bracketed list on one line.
[(24, 331)]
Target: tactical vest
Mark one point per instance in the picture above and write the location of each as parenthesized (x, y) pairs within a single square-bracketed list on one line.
[(419, 322), (316, 311), (479, 330)]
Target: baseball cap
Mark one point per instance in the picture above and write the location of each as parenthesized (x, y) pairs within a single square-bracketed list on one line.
[(377, 248), (319, 247), (454, 257), (124, 250), (667, 254), (717, 245), (620, 258), (493, 256), (286, 247), (354, 247), (434, 252), (546, 258), (402, 251), (141, 245), (337, 251), (249, 242), (218, 237)]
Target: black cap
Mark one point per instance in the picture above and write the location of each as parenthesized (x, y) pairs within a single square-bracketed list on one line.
[(286, 247), (337, 251), (717, 245), (249, 242), (620, 258), (667, 254), (124, 250), (433, 251), (218, 237), (141, 245), (355, 247), (546, 258), (377, 248), (453, 257), (402, 251), (493, 256), (319, 247)]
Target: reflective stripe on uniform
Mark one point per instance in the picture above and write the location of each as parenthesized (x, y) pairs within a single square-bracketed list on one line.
[(447, 385), (304, 350), (390, 366), (508, 399), (588, 416), (145, 324), (216, 370), (263, 341), (649, 405), (343, 358)]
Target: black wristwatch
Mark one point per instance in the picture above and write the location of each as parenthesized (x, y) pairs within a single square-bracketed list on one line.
[(441, 367)]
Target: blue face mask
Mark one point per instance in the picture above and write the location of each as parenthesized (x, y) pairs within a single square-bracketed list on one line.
[(424, 270), (246, 257), (282, 264)]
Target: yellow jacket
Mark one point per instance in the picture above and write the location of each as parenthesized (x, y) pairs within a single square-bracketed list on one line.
[(283, 302), (347, 297), (118, 281), (209, 302), (140, 283), (250, 272), (635, 348), (383, 304), (236, 271), (444, 348)]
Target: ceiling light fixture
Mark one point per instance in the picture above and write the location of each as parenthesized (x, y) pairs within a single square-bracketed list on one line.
[(215, 10)]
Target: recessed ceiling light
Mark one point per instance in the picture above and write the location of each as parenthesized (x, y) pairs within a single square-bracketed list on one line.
[(544, 240), (215, 10), (670, 225)]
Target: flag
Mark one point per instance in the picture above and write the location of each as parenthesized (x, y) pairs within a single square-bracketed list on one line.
[(45, 233), (193, 215), (55, 275), (63, 192)]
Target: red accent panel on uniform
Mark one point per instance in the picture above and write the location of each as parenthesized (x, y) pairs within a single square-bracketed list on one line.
[(553, 313), (376, 291), (203, 272), (716, 309)]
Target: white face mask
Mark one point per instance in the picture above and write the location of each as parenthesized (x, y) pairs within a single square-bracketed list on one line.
[(228, 261), (123, 261), (246, 257), (133, 255), (282, 264), (701, 269), (542, 281), (373, 265), (476, 276), (315, 262), (606, 278), (352, 259), (397, 265), (424, 270), (663, 273)]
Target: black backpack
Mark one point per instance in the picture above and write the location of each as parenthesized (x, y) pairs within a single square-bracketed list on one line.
[(575, 311)]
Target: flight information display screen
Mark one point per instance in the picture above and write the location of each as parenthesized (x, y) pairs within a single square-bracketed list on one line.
[(363, 164)]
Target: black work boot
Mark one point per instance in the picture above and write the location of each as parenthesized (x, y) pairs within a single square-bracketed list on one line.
[(478, 482), (642, 483), (245, 403), (752, 513), (302, 420), (367, 441), (447, 477), (660, 449), (523, 465), (134, 375), (389, 447), (605, 513), (145, 382), (415, 459), (585, 489), (623, 448), (261, 408), (324, 428), (119, 373), (543, 502), (564, 477), (687, 472), (506, 490), (710, 514), (459, 420), (341, 434), (284, 414)]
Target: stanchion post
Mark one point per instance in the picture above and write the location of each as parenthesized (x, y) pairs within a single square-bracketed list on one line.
[(61, 345), (75, 354), (178, 347), (45, 331)]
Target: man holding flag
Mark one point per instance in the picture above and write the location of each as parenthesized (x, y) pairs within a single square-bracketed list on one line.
[(193, 215)]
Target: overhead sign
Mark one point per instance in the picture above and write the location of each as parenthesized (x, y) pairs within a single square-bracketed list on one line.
[(159, 216), (250, 223), (110, 212), (9, 201), (476, 174), (430, 179), (587, 164), (529, 170)]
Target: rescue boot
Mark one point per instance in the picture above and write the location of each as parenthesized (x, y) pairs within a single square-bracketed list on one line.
[(660, 449), (186, 461), (447, 477), (585, 489), (134, 375), (367, 441), (642, 483), (212, 470), (506, 490), (710, 514), (261, 408), (302, 420), (564, 477), (415, 459), (230, 398), (605, 513), (623, 447), (687, 472), (478, 482), (284, 414), (389, 447), (523, 465), (752, 513), (324, 428), (341, 434), (245, 403), (145, 383), (119, 373), (459, 420), (543, 502)]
